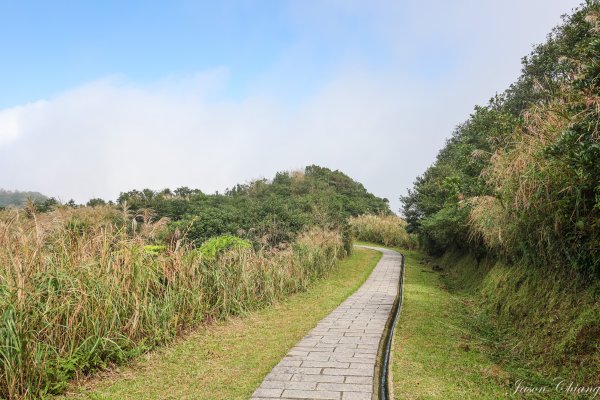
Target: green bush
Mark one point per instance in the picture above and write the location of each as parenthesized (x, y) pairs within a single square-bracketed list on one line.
[(213, 247), (155, 249)]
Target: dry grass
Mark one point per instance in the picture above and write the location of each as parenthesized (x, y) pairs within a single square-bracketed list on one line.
[(486, 220), (79, 290), (246, 348), (543, 184), (389, 230), (523, 169)]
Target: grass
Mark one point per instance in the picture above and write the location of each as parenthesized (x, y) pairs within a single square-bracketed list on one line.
[(83, 288), (436, 353), (229, 359), (542, 324), (390, 230)]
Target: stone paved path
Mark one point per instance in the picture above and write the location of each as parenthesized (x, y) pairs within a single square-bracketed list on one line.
[(336, 360)]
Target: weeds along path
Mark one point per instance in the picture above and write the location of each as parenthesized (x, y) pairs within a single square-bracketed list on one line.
[(228, 360), (337, 359)]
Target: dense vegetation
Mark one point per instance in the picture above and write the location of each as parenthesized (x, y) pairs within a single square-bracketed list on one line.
[(521, 176), (81, 287), (537, 325), (269, 212), (17, 198), (513, 200)]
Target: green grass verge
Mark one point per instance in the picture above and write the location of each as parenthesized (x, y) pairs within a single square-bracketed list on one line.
[(229, 359), (437, 354)]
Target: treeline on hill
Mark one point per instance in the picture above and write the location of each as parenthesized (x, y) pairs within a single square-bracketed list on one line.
[(83, 287), (263, 211), (519, 181), (17, 198)]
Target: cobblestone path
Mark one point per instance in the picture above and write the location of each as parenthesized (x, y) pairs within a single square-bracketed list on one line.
[(336, 360)]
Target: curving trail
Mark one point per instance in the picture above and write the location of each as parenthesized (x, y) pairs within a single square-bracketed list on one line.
[(336, 360)]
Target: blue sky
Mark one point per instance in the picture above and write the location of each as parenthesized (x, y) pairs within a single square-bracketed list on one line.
[(58, 45), (102, 97)]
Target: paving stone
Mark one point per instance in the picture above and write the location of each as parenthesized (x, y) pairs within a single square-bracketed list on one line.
[(289, 363), (345, 387), (289, 385), (358, 365), (278, 377), (348, 371), (356, 396), (297, 370), (359, 379), (264, 392), (367, 358), (325, 364), (297, 353), (318, 378), (271, 398), (319, 356), (312, 394)]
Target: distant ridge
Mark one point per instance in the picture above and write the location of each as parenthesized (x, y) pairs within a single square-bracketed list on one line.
[(17, 198)]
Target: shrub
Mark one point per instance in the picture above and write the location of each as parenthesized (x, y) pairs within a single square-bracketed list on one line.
[(519, 178), (213, 247), (155, 248)]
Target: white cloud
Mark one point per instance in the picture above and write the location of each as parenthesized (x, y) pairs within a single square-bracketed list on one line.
[(12, 121), (109, 136)]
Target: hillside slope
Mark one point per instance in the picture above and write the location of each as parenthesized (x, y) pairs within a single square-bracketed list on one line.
[(513, 201)]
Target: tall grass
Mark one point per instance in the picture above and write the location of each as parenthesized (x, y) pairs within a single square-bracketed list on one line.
[(389, 230), (78, 290), (546, 204)]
